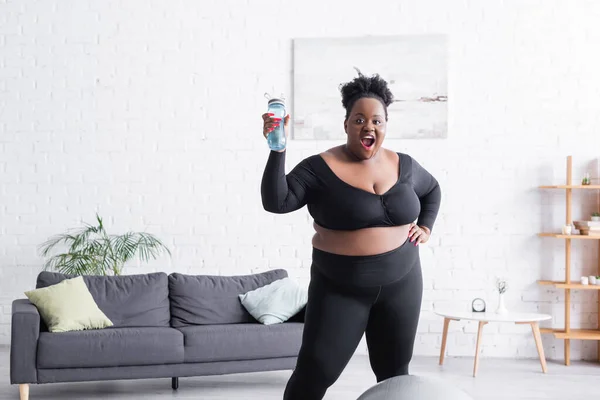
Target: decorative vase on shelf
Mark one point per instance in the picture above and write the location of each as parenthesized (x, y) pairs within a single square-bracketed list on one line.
[(501, 307)]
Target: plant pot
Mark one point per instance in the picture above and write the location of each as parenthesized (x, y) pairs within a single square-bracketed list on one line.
[(595, 218)]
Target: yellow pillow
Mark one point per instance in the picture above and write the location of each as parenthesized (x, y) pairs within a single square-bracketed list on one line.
[(68, 306)]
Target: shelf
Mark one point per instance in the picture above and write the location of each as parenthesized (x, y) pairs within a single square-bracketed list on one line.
[(561, 236), (564, 285), (566, 333), (581, 334), (570, 187)]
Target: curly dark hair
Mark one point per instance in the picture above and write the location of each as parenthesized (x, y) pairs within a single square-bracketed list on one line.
[(363, 86)]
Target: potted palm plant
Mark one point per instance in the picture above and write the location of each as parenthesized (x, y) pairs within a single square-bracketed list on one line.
[(596, 216), (92, 251)]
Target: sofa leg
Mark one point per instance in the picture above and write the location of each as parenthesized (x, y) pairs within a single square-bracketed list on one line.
[(174, 383), (24, 391)]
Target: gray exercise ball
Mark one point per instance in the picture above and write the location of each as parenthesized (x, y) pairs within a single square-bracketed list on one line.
[(410, 387)]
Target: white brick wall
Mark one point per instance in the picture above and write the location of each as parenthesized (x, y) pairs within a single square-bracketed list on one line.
[(149, 113)]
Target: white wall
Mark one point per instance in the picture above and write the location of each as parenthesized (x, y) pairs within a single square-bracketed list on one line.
[(149, 113)]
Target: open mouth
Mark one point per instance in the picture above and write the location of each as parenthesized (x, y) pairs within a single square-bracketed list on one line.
[(367, 141)]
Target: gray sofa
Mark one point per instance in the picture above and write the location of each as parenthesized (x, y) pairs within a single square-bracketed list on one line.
[(164, 326)]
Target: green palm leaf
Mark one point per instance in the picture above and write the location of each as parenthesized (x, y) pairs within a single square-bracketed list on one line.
[(75, 241), (124, 246), (91, 251), (142, 244), (74, 263)]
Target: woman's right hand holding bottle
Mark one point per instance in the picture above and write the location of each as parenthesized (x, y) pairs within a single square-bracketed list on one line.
[(270, 123)]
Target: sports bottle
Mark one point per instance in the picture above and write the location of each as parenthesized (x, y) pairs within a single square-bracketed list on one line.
[(276, 138)]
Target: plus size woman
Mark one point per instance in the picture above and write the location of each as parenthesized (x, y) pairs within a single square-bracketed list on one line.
[(371, 208)]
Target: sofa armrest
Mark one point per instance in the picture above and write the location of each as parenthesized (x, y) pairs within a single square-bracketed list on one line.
[(25, 332)]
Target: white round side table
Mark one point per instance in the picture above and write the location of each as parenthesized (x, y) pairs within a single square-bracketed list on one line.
[(532, 319)]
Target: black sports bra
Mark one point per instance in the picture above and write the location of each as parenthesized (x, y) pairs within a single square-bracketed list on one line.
[(335, 204)]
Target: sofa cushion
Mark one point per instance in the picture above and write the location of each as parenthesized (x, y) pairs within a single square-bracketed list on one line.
[(276, 302), (234, 342), (210, 299), (68, 306), (110, 347), (127, 300)]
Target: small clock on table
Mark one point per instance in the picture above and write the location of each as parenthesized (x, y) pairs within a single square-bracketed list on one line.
[(478, 305)]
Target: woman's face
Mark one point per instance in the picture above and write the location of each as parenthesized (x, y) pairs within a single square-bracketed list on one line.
[(365, 127)]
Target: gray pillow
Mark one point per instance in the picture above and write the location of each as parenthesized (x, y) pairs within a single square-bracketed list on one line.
[(213, 299), (127, 300), (276, 302)]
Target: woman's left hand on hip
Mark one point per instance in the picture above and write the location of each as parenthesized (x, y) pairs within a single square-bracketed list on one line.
[(418, 234)]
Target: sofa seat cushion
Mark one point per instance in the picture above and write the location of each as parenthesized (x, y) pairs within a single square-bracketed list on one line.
[(235, 342), (110, 347)]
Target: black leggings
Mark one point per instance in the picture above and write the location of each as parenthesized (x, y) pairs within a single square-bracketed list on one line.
[(351, 295)]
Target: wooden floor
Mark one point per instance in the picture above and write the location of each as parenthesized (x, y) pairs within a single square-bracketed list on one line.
[(497, 379)]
